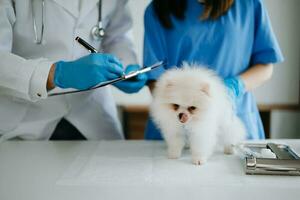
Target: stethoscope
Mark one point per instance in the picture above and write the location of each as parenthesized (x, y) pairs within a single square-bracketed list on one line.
[(97, 31)]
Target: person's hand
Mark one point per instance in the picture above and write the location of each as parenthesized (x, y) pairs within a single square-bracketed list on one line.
[(235, 88), (132, 85), (87, 71)]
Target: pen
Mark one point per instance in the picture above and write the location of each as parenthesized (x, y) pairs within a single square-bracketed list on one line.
[(130, 76), (86, 45), (91, 49)]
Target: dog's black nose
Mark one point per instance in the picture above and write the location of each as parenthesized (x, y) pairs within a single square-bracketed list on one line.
[(180, 115), (183, 117)]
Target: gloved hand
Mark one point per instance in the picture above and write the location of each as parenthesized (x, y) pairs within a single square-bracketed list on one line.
[(87, 71), (132, 85), (235, 88)]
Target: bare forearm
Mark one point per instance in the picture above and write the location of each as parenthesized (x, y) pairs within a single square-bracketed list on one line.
[(257, 75), (50, 81)]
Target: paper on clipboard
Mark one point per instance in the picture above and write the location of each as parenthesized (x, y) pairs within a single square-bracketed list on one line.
[(122, 78)]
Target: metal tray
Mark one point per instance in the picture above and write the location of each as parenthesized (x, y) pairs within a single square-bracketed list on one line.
[(287, 162)]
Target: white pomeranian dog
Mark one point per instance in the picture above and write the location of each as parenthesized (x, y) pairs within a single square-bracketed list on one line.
[(191, 107)]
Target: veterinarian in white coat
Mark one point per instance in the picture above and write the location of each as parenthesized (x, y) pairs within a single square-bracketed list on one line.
[(25, 109)]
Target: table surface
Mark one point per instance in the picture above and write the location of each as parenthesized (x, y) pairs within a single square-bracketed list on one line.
[(129, 170)]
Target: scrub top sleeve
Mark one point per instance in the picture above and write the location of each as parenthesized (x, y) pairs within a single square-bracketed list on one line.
[(265, 48), (154, 43)]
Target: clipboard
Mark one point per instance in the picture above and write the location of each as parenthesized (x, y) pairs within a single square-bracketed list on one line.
[(122, 78)]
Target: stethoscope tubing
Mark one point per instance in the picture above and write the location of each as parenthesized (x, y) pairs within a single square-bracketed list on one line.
[(97, 31), (36, 39)]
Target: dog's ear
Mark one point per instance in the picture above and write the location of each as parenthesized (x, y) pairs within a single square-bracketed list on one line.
[(205, 87)]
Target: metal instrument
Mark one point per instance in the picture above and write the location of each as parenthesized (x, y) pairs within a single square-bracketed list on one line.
[(285, 162)]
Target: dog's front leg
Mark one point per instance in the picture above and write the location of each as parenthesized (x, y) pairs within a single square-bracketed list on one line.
[(202, 142), (175, 143)]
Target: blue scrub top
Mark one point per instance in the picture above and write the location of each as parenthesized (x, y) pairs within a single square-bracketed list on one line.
[(229, 45)]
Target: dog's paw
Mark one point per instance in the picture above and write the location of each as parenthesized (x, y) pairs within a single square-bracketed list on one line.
[(228, 150), (199, 161), (174, 154)]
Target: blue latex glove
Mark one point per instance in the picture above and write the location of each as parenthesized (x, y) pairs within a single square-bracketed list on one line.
[(235, 88), (132, 85), (87, 71)]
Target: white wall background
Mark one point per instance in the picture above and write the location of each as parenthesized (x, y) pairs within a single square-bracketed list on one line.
[(284, 86)]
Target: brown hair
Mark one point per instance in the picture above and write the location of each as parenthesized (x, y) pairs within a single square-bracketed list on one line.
[(213, 9)]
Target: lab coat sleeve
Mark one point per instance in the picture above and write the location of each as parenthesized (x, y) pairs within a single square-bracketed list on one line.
[(118, 34), (265, 48), (21, 78), (154, 43)]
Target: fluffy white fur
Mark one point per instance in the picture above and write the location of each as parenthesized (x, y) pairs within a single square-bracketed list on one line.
[(190, 105)]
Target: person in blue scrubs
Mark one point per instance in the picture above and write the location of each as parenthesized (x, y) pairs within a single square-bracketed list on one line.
[(232, 37)]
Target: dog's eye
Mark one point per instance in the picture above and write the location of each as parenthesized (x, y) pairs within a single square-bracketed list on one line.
[(175, 106), (191, 108)]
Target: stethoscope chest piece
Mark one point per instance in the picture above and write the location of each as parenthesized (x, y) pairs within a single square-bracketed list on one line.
[(97, 32)]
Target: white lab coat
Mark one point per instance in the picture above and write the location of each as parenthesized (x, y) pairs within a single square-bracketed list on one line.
[(25, 109)]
